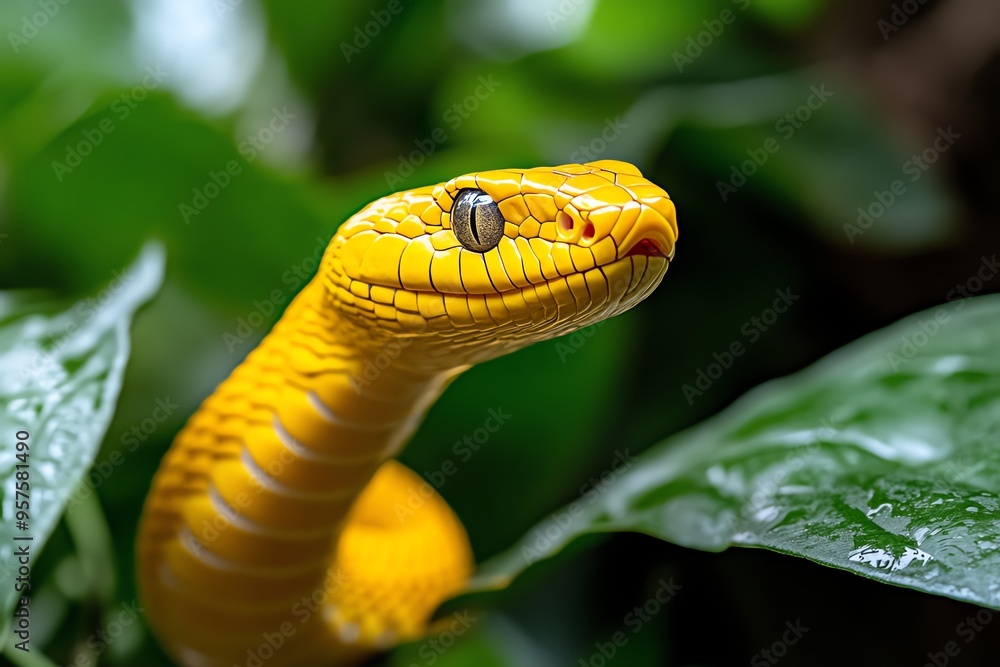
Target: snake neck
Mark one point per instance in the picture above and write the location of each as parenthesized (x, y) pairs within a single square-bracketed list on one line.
[(343, 398), (253, 498)]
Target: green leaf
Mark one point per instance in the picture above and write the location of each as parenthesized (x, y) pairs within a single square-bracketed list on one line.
[(880, 459), (60, 375)]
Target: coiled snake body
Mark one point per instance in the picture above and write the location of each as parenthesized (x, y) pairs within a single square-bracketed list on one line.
[(269, 533)]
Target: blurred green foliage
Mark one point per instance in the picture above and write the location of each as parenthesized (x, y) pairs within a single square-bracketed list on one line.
[(667, 85)]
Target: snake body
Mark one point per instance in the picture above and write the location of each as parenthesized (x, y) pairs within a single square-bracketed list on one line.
[(270, 534)]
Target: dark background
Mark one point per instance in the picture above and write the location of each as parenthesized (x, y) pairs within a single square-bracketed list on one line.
[(563, 70)]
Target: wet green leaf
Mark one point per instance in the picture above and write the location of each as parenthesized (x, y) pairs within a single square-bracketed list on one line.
[(61, 373), (881, 459)]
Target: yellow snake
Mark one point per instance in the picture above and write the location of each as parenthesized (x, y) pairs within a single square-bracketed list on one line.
[(270, 535)]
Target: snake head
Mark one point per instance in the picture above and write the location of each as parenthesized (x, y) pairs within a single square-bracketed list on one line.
[(491, 261)]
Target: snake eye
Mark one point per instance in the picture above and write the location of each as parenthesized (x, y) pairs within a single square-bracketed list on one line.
[(476, 220)]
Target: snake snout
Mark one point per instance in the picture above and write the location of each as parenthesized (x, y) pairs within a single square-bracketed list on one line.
[(653, 232)]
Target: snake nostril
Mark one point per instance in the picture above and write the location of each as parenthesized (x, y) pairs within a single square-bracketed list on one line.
[(588, 231), (565, 221)]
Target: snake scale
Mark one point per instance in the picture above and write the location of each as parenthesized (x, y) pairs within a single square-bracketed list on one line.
[(269, 534)]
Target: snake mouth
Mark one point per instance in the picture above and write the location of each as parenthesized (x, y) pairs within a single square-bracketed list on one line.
[(646, 248), (651, 236)]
